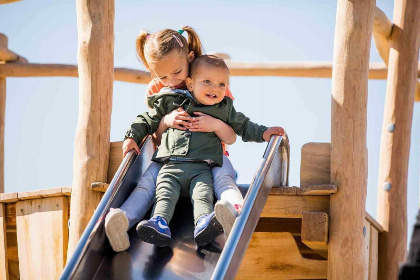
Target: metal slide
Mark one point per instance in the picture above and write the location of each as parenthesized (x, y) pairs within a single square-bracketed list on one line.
[(94, 258)]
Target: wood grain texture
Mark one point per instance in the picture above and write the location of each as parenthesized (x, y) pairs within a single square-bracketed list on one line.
[(315, 232), (315, 164), (4, 266), (115, 159), (42, 237), (373, 254), (353, 34), (275, 255), (279, 206), (95, 26), (395, 147)]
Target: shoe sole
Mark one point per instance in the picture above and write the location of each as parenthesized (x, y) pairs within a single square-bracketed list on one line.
[(208, 234), (152, 236), (116, 226), (226, 216)]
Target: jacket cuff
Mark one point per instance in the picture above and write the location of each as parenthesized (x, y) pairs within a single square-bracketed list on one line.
[(260, 132), (131, 134)]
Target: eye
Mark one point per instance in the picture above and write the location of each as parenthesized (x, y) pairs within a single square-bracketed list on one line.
[(177, 72), (206, 81), (163, 78), (222, 84)]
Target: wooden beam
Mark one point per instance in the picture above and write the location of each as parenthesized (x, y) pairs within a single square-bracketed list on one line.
[(315, 164), (373, 254), (396, 136), (99, 187), (3, 44), (315, 232), (4, 266), (377, 71), (353, 34), (382, 31), (285, 206), (66, 70), (92, 140)]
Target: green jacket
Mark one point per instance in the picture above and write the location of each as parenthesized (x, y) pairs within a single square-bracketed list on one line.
[(195, 145)]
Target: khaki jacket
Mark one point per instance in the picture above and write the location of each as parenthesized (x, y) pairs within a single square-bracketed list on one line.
[(193, 145)]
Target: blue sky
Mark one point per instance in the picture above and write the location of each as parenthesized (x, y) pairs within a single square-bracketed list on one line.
[(41, 113)]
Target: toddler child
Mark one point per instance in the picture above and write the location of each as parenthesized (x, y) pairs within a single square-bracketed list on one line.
[(188, 156)]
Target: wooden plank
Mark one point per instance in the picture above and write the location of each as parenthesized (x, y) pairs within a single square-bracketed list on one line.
[(115, 159), (4, 266), (66, 191), (326, 189), (9, 197), (366, 244), (11, 216), (315, 232), (374, 223), (41, 193), (294, 226), (396, 137), (99, 187), (42, 235), (278, 206), (373, 254), (315, 164), (284, 190), (275, 255)]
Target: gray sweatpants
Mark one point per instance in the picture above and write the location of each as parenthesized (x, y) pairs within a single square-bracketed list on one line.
[(184, 178)]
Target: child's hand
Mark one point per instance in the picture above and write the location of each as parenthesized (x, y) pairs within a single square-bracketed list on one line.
[(203, 123), (128, 145), (177, 119), (275, 130)]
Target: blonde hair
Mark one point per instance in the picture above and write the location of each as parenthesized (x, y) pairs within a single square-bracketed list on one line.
[(158, 44), (209, 60)]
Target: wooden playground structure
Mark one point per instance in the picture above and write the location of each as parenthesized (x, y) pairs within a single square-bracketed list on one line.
[(319, 230)]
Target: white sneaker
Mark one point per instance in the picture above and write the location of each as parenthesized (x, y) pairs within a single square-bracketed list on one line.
[(226, 215), (116, 226)]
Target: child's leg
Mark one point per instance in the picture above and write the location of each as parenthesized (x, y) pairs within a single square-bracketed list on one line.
[(142, 197), (227, 192), (168, 188), (207, 228), (119, 221), (225, 187)]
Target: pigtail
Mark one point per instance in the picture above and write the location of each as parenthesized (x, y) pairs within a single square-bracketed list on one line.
[(140, 45), (194, 42)]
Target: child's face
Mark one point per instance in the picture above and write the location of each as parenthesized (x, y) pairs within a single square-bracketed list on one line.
[(208, 86), (172, 69)]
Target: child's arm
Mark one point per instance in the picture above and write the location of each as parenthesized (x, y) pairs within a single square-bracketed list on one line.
[(176, 119), (206, 123), (251, 131)]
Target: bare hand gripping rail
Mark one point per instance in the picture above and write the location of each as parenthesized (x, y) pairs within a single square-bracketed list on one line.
[(273, 171)]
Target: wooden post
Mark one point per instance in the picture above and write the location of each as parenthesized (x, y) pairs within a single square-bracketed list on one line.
[(396, 133), (3, 43), (382, 31), (353, 33), (95, 24)]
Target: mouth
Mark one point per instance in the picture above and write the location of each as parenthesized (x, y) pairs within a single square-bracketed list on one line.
[(209, 95)]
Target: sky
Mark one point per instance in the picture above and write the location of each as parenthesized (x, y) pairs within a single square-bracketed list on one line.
[(41, 113)]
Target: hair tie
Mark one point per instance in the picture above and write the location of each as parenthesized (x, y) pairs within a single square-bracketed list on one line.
[(179, 41), (180, 31)]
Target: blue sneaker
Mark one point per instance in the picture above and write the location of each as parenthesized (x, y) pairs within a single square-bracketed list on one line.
[(207, 229), (154, 231)]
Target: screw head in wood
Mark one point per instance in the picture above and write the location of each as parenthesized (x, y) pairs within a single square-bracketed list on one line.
[(390, 127), (387, 186)]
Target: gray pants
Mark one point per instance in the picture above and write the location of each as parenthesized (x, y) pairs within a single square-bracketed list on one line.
[(182, 178)]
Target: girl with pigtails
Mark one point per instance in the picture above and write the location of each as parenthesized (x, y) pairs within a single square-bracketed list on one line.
[(167, 54)]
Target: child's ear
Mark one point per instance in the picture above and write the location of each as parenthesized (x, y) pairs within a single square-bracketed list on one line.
[(188, 82), (191, 56)]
